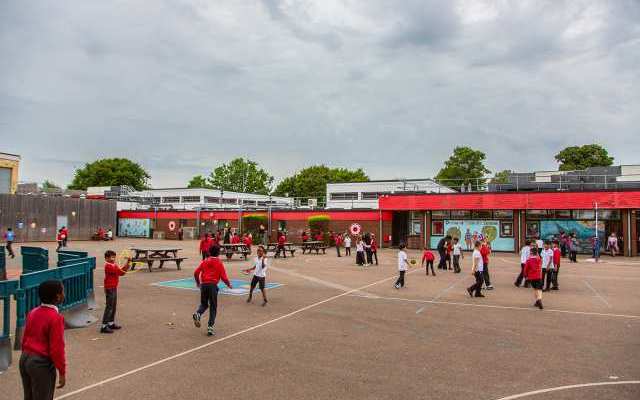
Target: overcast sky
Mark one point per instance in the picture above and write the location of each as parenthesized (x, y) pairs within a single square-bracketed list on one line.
[(388, 86)]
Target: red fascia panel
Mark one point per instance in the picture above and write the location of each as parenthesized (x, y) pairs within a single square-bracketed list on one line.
[(276, 215), (334, 215), (512, 201)]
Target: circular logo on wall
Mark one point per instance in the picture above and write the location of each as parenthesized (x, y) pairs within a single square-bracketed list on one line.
[(172, 225), (355, 229)]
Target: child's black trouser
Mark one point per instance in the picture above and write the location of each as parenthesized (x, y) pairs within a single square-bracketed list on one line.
[(555, 277), (111, 301), (209, 299), (369, 256), (347, 251), (456, 263), (338, 250), (375, 255), (38, 377), (547, 276), (282, 249), (442, 263), (430, 264), (521, 277), (485, 275), (400, 281), (360, 257), (477, 287), (10, 249)]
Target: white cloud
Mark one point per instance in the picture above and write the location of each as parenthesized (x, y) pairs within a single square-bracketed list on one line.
[(384, 85)]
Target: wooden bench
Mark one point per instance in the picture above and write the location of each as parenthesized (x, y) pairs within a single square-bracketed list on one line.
[(151, 260), (308, 247)]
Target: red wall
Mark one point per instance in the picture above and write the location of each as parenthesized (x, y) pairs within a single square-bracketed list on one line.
[(373, 215)]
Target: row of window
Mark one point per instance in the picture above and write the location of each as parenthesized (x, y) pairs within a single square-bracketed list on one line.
[(472, 214), (506, 228), (530, 214), (209, 200), (356, 195)]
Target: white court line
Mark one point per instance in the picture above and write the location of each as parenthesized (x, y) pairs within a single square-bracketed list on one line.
[(421, 309), (598, 295), (555, 389), (194, 349), (442, 293), (453, 303), (312, 279)]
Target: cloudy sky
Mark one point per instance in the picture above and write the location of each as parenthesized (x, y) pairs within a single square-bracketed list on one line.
[(389, 86)]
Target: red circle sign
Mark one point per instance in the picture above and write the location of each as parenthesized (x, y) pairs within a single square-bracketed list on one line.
[(172, 225), (355, 229)]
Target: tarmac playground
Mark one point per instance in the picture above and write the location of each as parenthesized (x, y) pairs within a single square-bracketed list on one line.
[(333, 330)]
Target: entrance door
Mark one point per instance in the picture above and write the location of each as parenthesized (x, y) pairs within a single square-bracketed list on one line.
[(399, 227), (61, 220)]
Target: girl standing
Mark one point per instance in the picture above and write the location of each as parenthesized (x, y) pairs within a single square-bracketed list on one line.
[(360, 252)]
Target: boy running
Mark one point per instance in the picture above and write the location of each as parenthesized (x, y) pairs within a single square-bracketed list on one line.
[(207, 276), (533, 274)]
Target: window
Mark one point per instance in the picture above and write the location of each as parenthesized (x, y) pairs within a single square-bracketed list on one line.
[(344, 196), (460, 214), (229, 201), (506, 229), (560, 214), (262, 203), (440, 214), (370, 195), (437, 228), (481, 214), (415, 224), (249, 202), (533, 229), (536, 214), (503, 214), (171, 199), (584, 214), (609, 214), (209, 199), (153, 200), (191, 199)]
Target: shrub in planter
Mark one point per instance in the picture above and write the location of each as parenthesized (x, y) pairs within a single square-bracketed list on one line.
[(319, 223), (251, 223)]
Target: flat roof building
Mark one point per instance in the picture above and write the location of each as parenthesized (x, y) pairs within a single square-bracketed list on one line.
[(364, 195)]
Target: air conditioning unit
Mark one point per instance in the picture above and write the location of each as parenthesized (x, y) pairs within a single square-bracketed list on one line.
[(312, 202)]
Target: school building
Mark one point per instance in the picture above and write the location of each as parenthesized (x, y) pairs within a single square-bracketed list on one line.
[(508, 218)]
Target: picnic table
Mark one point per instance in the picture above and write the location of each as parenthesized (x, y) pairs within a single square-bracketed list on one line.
[(273, 248), (229, 249), (310, 245), (149, 255)]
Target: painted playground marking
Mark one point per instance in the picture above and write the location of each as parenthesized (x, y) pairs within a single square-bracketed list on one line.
[(598, 295), (453, 303), (240, 287), (230, 336), (556, 389)]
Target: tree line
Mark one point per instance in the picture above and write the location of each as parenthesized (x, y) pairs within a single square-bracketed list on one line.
[(466, 166)]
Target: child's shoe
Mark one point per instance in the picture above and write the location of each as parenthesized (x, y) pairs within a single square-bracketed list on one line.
[(196, 320)]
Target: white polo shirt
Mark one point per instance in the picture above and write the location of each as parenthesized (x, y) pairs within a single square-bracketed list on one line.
[(547, 258), (402, 261), (477, 259), (261, 264), (524, 254)]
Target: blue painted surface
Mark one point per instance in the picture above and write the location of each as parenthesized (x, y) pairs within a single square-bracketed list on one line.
[(240, 287)]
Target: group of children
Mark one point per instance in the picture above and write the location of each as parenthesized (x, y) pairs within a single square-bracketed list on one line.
[(62, 237), (210, 240)]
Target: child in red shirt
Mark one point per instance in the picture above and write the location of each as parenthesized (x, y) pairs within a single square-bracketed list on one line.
[(112, 274), (485, 251), (43, 349), (282, 239), (533, 275), (428, 257), (207, 275), (205, 245), (557, 253), (374, 248)]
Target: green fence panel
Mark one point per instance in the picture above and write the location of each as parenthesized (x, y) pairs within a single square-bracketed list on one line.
[(7, 289), (77, 278), (34, 259), (65, 256)]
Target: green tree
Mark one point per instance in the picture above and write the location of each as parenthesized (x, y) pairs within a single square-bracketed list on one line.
[(502, 176), (110, 172), (48, 185), (465, 166), (311, 182), (241, 175), (199, 182), (581, 157)]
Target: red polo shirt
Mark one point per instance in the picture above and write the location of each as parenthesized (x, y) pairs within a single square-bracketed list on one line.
[(533, 269), (112, 274), (211, 270), (44, 335)]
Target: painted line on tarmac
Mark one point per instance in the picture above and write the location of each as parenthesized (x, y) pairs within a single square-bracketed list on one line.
[(312, 279), (568, 387), (453, 303), (442, 293), (598, 295), (230, 336)]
